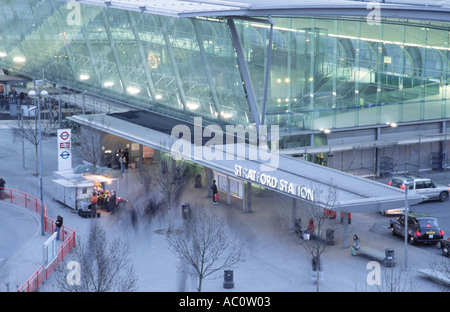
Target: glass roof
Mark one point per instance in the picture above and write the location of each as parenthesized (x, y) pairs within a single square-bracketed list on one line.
[(171, 7), (434, 10)]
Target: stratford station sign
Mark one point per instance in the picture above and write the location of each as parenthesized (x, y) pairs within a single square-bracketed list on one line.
[(274, 183)]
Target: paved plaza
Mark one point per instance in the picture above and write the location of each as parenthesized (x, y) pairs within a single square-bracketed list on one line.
[(275, 262)]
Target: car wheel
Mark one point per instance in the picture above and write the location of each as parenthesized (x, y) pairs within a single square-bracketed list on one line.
[(392, 230), (445, 251), (443, 196), (411, 240)]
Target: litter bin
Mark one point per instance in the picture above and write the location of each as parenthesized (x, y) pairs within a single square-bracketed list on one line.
[(185, 211), (228, 279), (389, 257)]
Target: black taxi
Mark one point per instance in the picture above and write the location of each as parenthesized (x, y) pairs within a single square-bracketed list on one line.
[(422, 228)]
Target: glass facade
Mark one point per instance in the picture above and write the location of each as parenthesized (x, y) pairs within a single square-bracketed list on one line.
[(324, 73)]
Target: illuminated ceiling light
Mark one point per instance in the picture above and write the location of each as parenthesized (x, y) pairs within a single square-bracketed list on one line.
[(326, 131), (394, 125), (158, 97), (108, 84), (192, 106), (279, 80), (19, 59), (133, 90), (84, 77), (3, 54), (287, 80), (226, 115)]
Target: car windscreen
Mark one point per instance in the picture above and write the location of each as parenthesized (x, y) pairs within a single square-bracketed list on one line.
[(428, 223)]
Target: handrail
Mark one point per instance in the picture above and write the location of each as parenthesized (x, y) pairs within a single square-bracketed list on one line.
[(67, 235)]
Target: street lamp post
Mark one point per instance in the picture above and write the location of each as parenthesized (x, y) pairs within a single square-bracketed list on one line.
[(34, 94), (406, 268)]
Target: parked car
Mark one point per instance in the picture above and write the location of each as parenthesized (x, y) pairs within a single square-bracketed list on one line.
[(421, 228), (445, 247), (421, 186)]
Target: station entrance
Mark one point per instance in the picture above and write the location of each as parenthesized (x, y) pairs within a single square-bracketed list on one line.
[(300, 180)]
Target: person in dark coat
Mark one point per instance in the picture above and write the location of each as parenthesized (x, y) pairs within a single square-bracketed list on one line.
[(214, 193), (2, 185), (112, 202), (58, 224)]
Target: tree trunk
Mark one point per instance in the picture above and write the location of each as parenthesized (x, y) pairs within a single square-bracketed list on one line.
[(169, 214), (318, 273)]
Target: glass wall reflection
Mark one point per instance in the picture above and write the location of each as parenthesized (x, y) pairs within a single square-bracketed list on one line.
[(324, 73)]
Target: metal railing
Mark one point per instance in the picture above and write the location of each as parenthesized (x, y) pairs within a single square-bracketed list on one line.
[(66, 234)]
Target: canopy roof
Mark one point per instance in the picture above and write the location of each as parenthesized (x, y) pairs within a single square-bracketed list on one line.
[(409, 9), (333, 189)]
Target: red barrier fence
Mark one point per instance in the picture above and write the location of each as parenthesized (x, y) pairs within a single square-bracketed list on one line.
[(66, 234)]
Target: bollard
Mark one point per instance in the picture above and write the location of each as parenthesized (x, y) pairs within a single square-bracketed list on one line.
[(185, 211), (389, 258), (228, 279)]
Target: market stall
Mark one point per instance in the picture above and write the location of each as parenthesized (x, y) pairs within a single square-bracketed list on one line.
[(71, 189)]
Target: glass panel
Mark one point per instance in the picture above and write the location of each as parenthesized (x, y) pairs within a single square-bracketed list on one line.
[(324, 73)]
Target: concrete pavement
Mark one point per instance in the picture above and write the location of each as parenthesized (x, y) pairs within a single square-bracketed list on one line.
[(274, 262)]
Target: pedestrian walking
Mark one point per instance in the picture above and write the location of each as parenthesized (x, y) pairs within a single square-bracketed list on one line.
[(122, 161), (112, 202), (2, 186), (93, 205), (215, 193), (58, 225)]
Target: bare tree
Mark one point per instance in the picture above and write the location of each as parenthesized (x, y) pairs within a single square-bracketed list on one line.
[(28, 129), (204, 247), (103, 263), (323, 225), (89, 147), (380, 279), (169, 180), (440, 267)]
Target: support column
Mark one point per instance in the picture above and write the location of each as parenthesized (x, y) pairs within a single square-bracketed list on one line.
[(294, 208), (141, 158), (207, 68), (112, 44), (228, 191), (148, 76), (249, 198), (443, 145), (345, 223), (244, 73), (164, 26), (208, 181), (377, 152)]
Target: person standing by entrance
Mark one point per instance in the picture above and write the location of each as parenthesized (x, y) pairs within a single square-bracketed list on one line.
[(2, 185), (215, 193)]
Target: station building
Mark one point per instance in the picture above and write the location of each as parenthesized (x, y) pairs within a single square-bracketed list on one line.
[(353, 89)]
